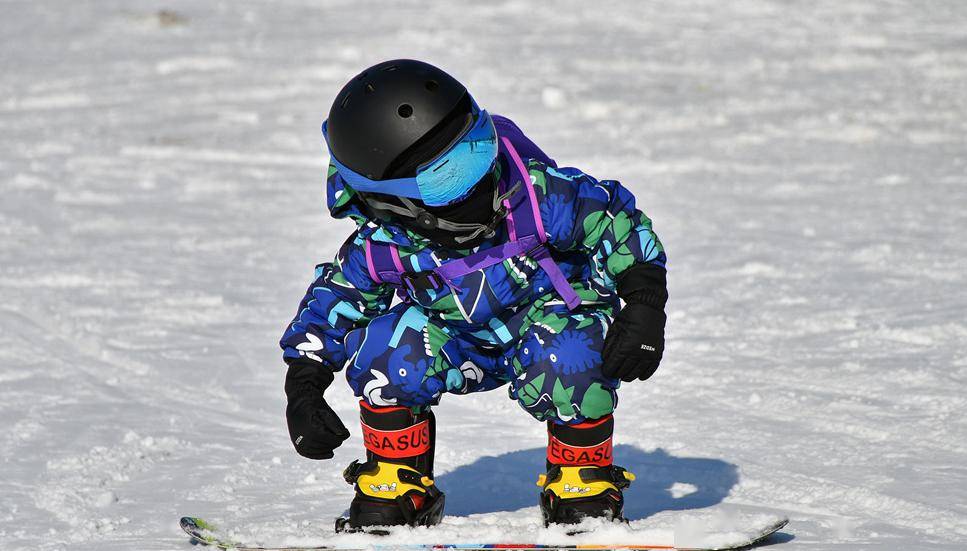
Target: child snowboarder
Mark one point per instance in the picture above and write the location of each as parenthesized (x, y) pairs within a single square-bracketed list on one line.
[(509, 270)]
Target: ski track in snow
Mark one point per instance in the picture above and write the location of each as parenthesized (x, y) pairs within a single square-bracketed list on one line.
[(161, 209)]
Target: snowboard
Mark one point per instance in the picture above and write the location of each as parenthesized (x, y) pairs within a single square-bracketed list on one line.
[(205, 533)]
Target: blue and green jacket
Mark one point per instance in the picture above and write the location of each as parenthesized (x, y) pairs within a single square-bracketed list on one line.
[(594, 232)]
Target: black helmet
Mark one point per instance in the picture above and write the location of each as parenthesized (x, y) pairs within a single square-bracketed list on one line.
[(394, 116), (411, 142)]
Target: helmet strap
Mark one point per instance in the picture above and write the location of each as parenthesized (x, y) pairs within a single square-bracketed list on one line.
[(464, 231)]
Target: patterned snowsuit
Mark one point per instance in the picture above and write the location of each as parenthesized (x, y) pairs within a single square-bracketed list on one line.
[(501, 324)]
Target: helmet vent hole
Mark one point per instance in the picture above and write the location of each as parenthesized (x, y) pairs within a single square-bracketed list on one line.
[(391, 68), (345, 101), (370, 88), (432, 85), (405, 110)]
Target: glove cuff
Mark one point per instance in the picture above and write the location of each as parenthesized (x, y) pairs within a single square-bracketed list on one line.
[(307, 376), (644, 284)]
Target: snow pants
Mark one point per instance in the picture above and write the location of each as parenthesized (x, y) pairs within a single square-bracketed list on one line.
[(551, 357)]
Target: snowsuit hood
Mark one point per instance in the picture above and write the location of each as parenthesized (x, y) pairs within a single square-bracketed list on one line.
[(342, 202)]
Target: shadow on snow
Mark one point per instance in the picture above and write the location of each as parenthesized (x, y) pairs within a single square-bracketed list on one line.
[(507, 482)]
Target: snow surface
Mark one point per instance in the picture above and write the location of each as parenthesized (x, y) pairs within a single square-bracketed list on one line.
[(161, 209)]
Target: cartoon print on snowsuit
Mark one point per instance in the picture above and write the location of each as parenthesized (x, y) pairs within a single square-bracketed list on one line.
[(502, 324)]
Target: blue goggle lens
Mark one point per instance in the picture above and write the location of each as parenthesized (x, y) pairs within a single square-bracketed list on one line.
[(447, 178), (453, 174)]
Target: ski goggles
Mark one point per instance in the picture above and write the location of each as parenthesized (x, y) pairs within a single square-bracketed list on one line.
[(444, 179)]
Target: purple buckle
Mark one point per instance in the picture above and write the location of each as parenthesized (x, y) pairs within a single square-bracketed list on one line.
[(426, 280), (538, 251)]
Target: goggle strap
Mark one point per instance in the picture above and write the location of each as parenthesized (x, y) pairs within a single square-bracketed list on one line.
[(410, 210), (480, 229), (447, 225), (498, 199), (410, 205), (380, 205)]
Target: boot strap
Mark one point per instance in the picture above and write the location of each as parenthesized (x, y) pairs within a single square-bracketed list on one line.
[(619, 476), (351, 473), (406, 474)]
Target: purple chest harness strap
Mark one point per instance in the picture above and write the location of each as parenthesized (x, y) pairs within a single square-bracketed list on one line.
[(527, 237)]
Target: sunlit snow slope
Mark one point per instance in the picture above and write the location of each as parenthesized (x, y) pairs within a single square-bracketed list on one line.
[(161, 210)]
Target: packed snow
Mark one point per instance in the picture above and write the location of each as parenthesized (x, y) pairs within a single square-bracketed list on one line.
[(162, 208)]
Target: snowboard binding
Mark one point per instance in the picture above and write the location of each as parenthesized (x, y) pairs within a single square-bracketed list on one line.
[(572, 493), (394, 486), (390, 494), (581, 481)]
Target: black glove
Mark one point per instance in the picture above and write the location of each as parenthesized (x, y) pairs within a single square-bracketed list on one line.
[(636, 340), (314, 428)]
